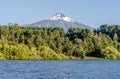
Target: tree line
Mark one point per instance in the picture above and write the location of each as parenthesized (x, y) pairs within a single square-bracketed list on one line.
[(17, 42)]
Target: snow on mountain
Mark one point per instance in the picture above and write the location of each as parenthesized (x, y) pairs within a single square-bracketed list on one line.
[(59, 16)]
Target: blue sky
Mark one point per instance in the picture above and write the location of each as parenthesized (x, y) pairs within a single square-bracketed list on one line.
[(91, 12)]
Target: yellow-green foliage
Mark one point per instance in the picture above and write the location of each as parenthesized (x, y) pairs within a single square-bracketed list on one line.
[(1, 46), (49, 54), (19, 51), (2, 56), (33, 54), (23, 52), (62, 56), (110, 53)]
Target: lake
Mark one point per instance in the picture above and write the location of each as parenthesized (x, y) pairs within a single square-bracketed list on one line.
[(60, 69)]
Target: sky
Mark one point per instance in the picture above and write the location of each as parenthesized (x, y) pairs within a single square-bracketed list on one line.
[(90, 12)]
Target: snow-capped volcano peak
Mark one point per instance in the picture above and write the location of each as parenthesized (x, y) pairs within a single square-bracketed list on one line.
[(59, 16)]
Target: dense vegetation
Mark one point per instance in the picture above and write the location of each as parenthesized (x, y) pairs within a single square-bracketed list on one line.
[(53, 43)]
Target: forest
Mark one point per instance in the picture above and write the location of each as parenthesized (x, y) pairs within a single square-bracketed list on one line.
[(35, 43)]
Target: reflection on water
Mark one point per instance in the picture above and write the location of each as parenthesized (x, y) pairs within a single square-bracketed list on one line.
[(72, 69)]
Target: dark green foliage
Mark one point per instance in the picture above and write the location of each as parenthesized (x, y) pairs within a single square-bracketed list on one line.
[(113, 31)]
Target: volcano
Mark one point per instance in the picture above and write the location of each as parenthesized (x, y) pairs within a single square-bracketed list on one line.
[(61, 21)]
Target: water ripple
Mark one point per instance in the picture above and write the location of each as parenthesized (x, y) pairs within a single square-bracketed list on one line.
[(72, 69)]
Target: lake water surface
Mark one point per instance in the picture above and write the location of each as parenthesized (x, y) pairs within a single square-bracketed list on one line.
[(64, 69)]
